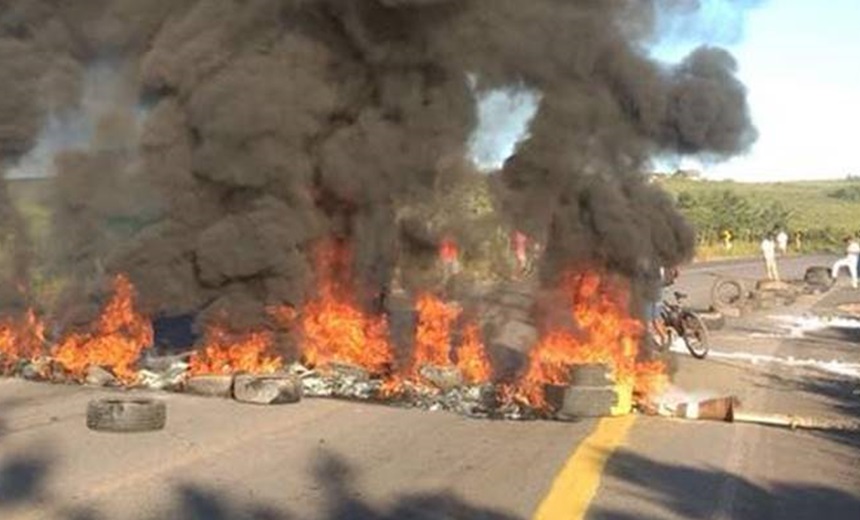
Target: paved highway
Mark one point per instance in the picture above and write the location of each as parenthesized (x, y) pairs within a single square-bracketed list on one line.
[(218, 459)]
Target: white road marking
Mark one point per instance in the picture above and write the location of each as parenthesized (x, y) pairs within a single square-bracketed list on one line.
[(833, 366)]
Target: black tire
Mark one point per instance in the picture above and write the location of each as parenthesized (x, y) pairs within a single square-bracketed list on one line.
[(818, 277), (126, 415), (695, 334), (728, 293)]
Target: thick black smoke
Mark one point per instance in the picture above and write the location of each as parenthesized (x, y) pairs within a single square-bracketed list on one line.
[(271, 123)]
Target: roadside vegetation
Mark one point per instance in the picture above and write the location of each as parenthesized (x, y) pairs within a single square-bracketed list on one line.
[(817, 215)]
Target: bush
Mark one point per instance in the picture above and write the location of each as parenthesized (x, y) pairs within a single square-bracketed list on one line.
[(713, 212), (848, 193)]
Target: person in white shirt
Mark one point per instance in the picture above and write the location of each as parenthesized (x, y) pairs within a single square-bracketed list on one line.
[(768, 249), (851, 259), (782, 242)]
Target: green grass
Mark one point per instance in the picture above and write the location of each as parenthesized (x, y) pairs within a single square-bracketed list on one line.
[(809, 202), (717, 251), (814, 210)]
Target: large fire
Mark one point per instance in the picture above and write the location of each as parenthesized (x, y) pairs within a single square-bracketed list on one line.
[(605, 333), (433, 333), (227, 353), (114, 342), (472, 358), (21, 339), (433, 346), (334, 328)]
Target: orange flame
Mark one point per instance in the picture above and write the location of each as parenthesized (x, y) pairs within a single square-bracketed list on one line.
[(226, 353), (606, 334), (433, 334), (334, 329), (651, 378), (284, 315), (115, 342), (448, 251), (472, 359), (23, 338)]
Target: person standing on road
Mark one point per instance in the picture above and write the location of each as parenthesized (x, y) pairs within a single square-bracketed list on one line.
[(727, 239), (851, 260), (654, 278), (519, 244), (449, 256), (782, 242), (768, 249)]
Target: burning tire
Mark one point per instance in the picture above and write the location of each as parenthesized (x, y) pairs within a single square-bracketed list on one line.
[(126, 415), (728, 293)]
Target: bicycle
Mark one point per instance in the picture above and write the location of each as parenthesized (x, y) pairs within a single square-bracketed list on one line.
[(683, 323)]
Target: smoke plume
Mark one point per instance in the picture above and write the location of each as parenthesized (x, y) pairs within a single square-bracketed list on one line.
[(263, 125)]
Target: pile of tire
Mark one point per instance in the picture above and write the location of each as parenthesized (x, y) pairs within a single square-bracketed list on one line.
[(818, 279), (772, 293)]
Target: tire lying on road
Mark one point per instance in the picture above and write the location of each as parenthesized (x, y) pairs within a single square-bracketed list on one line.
[(818, 277), (728, 293), (126, 415), (267, 389), (784, 292)]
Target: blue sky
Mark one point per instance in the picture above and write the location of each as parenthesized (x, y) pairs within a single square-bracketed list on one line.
[(800, 60)]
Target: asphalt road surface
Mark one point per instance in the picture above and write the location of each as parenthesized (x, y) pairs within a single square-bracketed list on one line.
[(217, 459), (697, 279)]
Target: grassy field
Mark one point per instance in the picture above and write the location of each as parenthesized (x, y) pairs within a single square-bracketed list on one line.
[(831, 206), (824, 211), (810, 202)]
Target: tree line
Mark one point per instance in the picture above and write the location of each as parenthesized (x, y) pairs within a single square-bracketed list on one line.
[(715, 212)]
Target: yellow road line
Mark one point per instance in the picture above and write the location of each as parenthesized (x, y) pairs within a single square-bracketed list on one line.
[(576, 485)]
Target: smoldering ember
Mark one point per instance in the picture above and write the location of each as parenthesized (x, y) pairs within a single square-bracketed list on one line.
[(287, 184)]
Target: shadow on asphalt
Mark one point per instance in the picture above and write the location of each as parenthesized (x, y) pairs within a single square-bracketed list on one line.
[(847, 334), (690, 492), (841, 396), (24, 479)]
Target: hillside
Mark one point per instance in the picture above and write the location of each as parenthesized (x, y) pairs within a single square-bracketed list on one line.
[(811, 204)]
